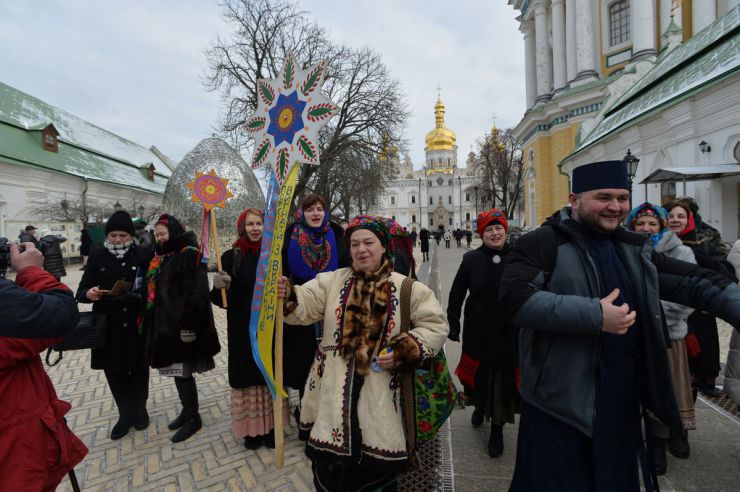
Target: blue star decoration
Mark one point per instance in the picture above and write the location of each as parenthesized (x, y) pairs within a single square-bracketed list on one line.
[(286, 118)]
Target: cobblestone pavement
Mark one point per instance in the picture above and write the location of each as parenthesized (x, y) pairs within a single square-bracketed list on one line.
[(147, 460)]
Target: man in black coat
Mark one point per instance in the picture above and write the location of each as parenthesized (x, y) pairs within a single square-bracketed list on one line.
[(585, 292), (424, 243)]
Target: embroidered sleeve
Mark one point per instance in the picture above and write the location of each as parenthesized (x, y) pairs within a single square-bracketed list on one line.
[(429, 326)]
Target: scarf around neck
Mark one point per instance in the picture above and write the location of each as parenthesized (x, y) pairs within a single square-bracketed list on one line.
[(118, 250), (366, 314), (312, 250)]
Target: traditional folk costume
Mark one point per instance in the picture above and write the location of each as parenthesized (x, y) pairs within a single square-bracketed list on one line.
[(251, 402), (352, 412)]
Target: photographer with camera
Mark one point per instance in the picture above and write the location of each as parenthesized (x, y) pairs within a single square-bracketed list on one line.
[(36, 311)]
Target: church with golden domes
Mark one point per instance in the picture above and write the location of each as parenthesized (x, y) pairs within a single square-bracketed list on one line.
[(440, 195)]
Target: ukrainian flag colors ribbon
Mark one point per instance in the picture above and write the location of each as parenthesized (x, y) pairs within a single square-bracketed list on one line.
[(264, 300)]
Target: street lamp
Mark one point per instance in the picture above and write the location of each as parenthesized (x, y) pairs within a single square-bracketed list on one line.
[(117, 206), (632, 163), (141, 211)]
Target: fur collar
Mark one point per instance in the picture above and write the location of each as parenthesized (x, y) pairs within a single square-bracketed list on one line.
[(365, 315)]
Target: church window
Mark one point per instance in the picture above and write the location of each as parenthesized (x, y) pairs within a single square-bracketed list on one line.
[(467, 216), (448, 161), (413, 198), (431, 201), (449, 199), (449, 182), (450, 220), (440, 199), (413, 218), (431, 221), (467, 197), (393, 200), (619, 22)]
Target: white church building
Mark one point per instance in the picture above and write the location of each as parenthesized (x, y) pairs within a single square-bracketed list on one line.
[(441, 195)]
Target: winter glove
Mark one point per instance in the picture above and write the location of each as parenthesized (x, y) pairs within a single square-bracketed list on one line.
[(221, 280), (454, 336), (187, 336)]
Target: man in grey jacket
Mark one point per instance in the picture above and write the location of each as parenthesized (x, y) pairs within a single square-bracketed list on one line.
[(592, 346)]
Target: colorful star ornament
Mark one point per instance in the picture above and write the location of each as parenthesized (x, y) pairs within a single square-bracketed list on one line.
[(290, 111), (210, 190)]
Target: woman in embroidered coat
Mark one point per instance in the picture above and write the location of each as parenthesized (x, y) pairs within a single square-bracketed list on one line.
[(314, 245), (403, 249), (653, 220), (352, 409), (181, 337), (251, 402), (122, 357), (488, 364)]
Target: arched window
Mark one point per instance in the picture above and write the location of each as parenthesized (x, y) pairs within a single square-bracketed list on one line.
[(619, 22)]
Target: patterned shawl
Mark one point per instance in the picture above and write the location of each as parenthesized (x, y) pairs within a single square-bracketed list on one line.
[(312, 250)]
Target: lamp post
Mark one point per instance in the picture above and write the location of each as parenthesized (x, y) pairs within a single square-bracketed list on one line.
[(141, 211), (475, 188), (420, 222), (632, 163), (117, 206)]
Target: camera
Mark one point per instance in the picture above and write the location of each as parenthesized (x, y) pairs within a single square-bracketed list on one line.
[(4, 255)]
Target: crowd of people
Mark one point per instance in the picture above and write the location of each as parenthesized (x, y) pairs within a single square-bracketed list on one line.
[(597, 325)]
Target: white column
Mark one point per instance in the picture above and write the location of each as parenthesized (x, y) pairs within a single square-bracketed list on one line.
[(702, 14), (544, 62), (558, 44), (642, 20), (530, 62), (585, 41), (570, 38)]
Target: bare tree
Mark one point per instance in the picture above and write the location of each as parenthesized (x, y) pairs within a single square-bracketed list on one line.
[(372, 108), (501, 170), (63, 209)]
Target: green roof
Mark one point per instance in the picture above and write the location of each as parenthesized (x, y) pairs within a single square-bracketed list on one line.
[(708, 57), (85, 150)]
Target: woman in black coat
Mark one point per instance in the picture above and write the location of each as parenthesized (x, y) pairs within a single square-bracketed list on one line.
[(488, 364), (251, 402), (181, 337), (85, 244), (122, 357)]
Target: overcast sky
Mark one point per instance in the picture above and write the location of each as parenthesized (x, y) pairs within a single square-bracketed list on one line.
[(135, 67)]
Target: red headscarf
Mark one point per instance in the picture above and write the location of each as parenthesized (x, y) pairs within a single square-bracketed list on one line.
[(243, 242), (487, 218)]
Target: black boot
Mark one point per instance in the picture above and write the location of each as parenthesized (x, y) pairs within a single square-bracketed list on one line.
[(119, 385), (659, 457), (270, 439), (140, 380), (254, 442), (477, 418), (678, 445), (496, 441), (191, 422)]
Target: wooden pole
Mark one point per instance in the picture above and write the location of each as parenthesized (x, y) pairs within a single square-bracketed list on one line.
[(277, 404), (214, 237)]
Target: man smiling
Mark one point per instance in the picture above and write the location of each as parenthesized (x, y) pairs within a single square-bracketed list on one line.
[(592, 346)]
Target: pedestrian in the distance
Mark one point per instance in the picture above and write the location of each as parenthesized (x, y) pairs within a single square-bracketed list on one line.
[(85, 245), (251, 402), (447, 237), (468, 237), (28, 235), (178, 322), (403, 251), (413, 235), (488, 364), (50, 247), (122, 357), (424, 243)]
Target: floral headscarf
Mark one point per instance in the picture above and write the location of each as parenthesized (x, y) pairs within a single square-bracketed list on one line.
[(648, 209), (486, 218), (377, 226)]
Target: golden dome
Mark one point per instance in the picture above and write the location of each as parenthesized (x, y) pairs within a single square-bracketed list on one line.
[(441, 138)]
